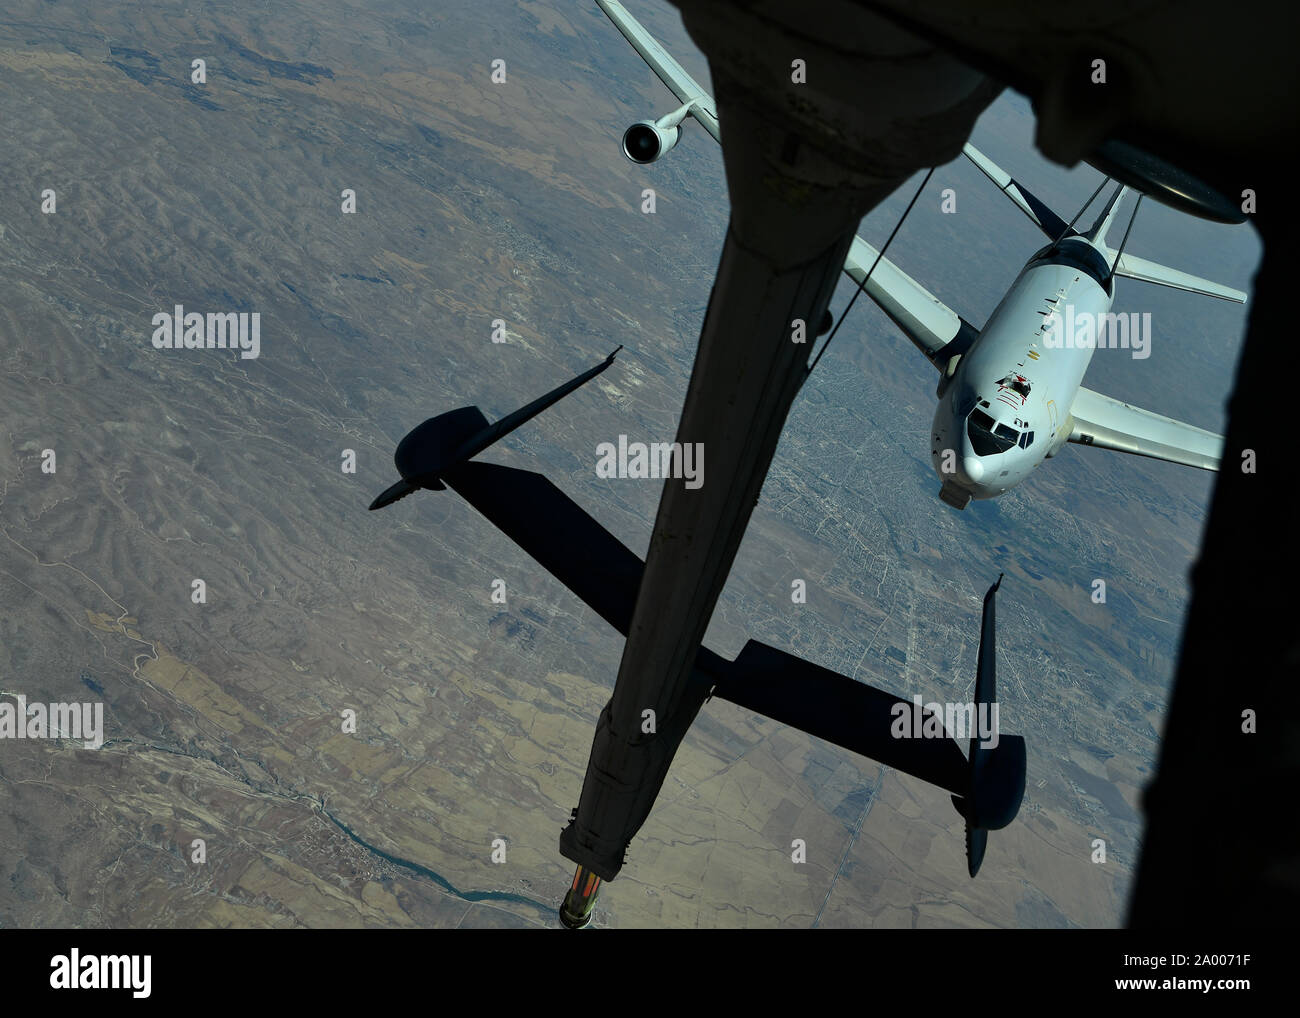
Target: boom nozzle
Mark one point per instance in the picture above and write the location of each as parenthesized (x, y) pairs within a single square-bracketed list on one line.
[(575, 912)]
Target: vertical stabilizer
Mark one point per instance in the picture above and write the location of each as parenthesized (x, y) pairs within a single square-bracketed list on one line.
[(1098, 232)]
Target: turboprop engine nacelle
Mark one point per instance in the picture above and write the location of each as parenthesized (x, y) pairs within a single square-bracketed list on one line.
[(647, 140)]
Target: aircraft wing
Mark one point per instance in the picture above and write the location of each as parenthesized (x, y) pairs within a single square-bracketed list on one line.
[(1102, 421), (1133, 267), (670, 72), (934, 328), (1039, 214)]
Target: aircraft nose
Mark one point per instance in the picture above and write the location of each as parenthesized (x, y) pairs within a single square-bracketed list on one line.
[(972, 466)]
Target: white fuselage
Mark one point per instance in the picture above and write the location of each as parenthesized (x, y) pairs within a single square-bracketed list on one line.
[(1006, 407)]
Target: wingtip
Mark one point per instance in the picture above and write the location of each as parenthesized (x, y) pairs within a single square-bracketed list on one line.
[(391, 494)]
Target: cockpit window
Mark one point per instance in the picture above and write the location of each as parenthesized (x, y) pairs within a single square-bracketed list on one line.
[(1026, 440), (987, 438)]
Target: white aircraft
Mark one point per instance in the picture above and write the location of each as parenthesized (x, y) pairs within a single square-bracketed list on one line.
[(1010, 395)]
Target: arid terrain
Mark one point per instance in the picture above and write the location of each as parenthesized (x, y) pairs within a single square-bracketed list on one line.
[(225, 721)]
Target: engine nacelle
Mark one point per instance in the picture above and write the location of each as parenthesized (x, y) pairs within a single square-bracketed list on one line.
[(647, 140)]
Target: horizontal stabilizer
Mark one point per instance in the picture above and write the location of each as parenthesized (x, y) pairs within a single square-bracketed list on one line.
[(1133, 267)]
